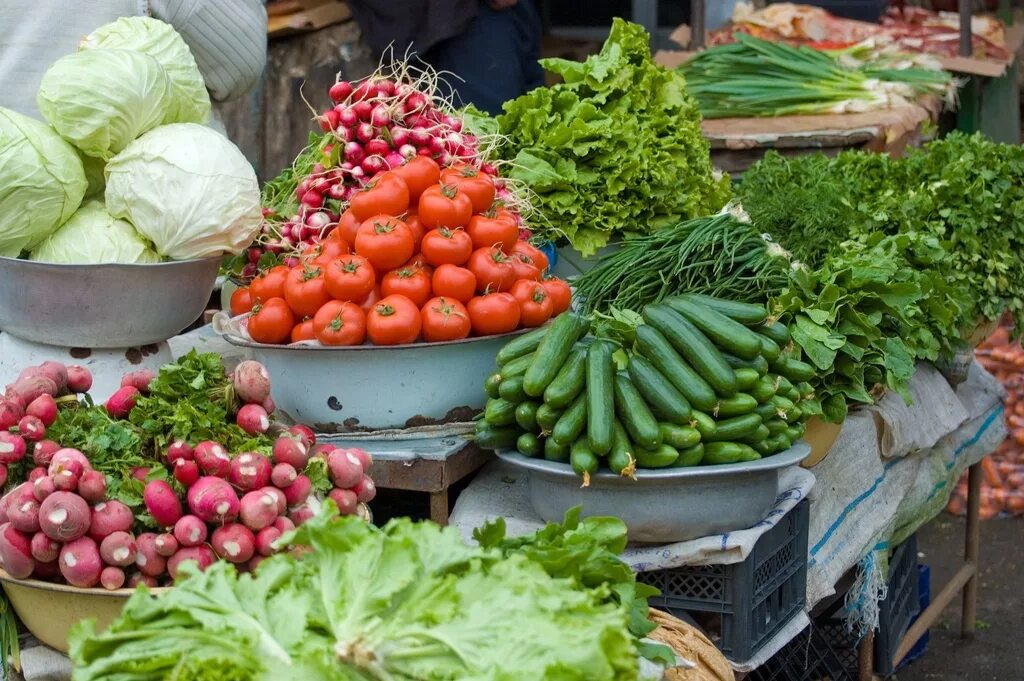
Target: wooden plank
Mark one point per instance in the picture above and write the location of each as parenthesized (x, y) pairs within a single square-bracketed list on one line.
[(428, 475), (931, 614), (972, 544)]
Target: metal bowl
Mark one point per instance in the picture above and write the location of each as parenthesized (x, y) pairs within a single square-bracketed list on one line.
[(102, 306), (663, 505)]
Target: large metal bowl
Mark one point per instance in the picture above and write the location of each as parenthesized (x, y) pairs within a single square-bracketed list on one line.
[(663, 505), (102, 306)]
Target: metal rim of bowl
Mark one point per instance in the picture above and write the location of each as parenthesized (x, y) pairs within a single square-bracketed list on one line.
[(52, 587), (243, 343), (83, 266)]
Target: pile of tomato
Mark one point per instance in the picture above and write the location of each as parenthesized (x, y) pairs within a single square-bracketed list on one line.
[(421, 253)]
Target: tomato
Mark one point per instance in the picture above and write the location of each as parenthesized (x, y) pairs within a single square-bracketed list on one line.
[(451, 281), (271, 322), (478, 186), (303, 331), (241, 301), (395, 320), (350, 277), (419, 262), (445, 319), (325, 251), (535, 255), (524, 267), (486, 231), (306, 289), (417, 228), (445, 206), (340, 323), (269, 283), (410, 282), (371, 299), (347, 227), (443, 246), (492, 269), (419, 172), (387, 193), (385, 241), (559, 293), (535, 307), (493, 313)]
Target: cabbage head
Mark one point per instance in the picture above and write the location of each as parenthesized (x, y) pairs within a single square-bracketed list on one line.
[(93, 168), (41, 182), (92, 237), (190, 100), (187, 189), (100, 100)]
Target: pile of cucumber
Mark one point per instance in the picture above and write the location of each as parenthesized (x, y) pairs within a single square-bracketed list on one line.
[(706, 381)]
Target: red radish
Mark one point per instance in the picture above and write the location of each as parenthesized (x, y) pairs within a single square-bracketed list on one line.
[(305, 435), (254, 562), (31, 428), (373, 165), (348, 118), (234, 543), (79, 379), (340, 90), (3, 474), (68, 459), (65, 480), (139, 578), (250, 471), (12, 447), (179, 449), (281, 501), (253, 419), (345, 500), (203, 556), (313, 199), (345, 468), (140, 473), (190, 531), (288, 450), (162, 503), (213, 459), (64, 516), (122, 402), (321, 451), (31, 387), (118, 549), (363, 110), (365, 490), (36, 473), (43, 451), (147, 559), (186, 472), (377, 147), (365, 460), (301, 514), (139, 380), (329, 120), (23, 514), (92, 486), (56, 372), (258, 510), (283, 524), (46, 571), (265, 539), (298, 491), (268, 404), (354, 154), (10, 413), (43, 408), (80, 563), (166, 545), (16, 552), (44, 549), (43, 487), (10, 497), (213, 500), (112, 578), (283, 475), (109, 517)]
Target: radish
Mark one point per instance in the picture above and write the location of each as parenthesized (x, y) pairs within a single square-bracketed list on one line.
[(139, 578), (140, 380), (291, 451), (64, 516), (44, 549), (280, 500), (68, 459), (186, 472), (80, 563), (34, 474), (394, 160), (347, 118), (11, 497), (23, 514), (283, 524), (365, 490), (109, 517), (254, 562), (12, 447), (399, 136), (140, 473), (365, 460), (162, 503), (283, 475), (265, 539), (43, 451), (112, 578), (250, 471), (118, 549), (213, 459), (258, 510), (345, 500), (203, 556), (79, 379), (43, 487), (340, 90), (345, 468), (253, 419), (31, 387), (147, 559), (364, 110), (92, 486), (16, 552), (377, 147), (190, 531), (49, 572), (179, 449), (31, 428), (365, 132), (166, 545), (329, 120), (268, 404), (234, 543), (43, 408), (301, 514), (56, 372), (3, 474), (10, 413), (122, 402), (321, 450), (373, 165), (298, 491), (354, 153), (213, 500), (312, 199)]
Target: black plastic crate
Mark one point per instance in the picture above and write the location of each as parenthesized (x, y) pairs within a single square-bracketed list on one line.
[(749, 601), (819, 652), (901, 605)]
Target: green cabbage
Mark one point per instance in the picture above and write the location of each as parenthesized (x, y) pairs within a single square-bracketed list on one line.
[(101, 100), (41, 182), (93, 168), (190, 100), (92, 237)]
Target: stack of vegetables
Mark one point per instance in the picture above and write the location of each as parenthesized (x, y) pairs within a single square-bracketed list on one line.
[(701, 381)]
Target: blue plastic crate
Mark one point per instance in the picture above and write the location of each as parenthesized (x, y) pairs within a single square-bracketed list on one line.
[(901, 606), (924, 585)]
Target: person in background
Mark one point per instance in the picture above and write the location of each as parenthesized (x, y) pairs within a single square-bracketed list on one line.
[(491, 46)]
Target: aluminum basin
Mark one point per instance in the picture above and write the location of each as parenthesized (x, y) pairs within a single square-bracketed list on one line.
[(662, 505), (103, 306)]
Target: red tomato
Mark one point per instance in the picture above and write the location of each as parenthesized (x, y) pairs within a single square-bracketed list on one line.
[(535, 306), (325, 251), (478, 186), (445, 206), (386, 194), (306, 289), (410, 282), (493, 313), (395, 320), (271, 322), (492, 269), (340, 323), (269, 283), (452, 281), (445, 319), (497, 231), (419, 172), (417, 228), (347, 227), (528, 250), (524, 267), (350, 277), (371, 299), (419, 262), (559, 293), (385, 241), (241, 301), (443, 246), (303, 331)]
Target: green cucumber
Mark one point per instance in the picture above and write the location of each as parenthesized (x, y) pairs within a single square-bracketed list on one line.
[(785, 408), (795, 432), (553, 351), (793, 369), (491, 385), (717, 453), (777, 331), (767, 411), (516, 367), (491, 437), (571, 423), (764, 390), (745, 313), (547, 417), (776, 426), (599, 396), (704, 424), (665, 401), (726, 333), (660, 457), (769, 349), (554, 451), (511, 389), (691, 456), (656, 348), (746, 378), (806, 390), (518, 347), (694, 347), (569, 381), (529, 445), (500, 412), (762, 433), (758, 364), (526, 416), (772, 445), (582, 457), (791, 394), (680, 437), (635, 415), (749, 453), (620, 458), (734, 428), (737, 405), (782, 384)]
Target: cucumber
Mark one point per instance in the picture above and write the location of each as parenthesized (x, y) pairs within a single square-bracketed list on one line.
[(599, 396), (491, 385), (529, 445), (793, 369), (635, 415), (691, 456), (773, 445), (571, 423), (704, 424), (569, 381), (490, 437), (727, 334), (791, 394), (655, 347), (745, 313), (664, 455), (694, 347), (776, 426), (758, 364), (680, 437), (516, 367), (665, 401), (553, 351), (717, 453), (500, 412), (620, 458), (795, 432), (521, 346), (769, 349), (762, 433), (554, 451), (777, 331), (767, 411), (582, 457), (748, 453), (732, 429), (526, 416), (739, 404), (764, 390), (511, 389), (784, 408), (547, 417), (746, 378), (806, 390)]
